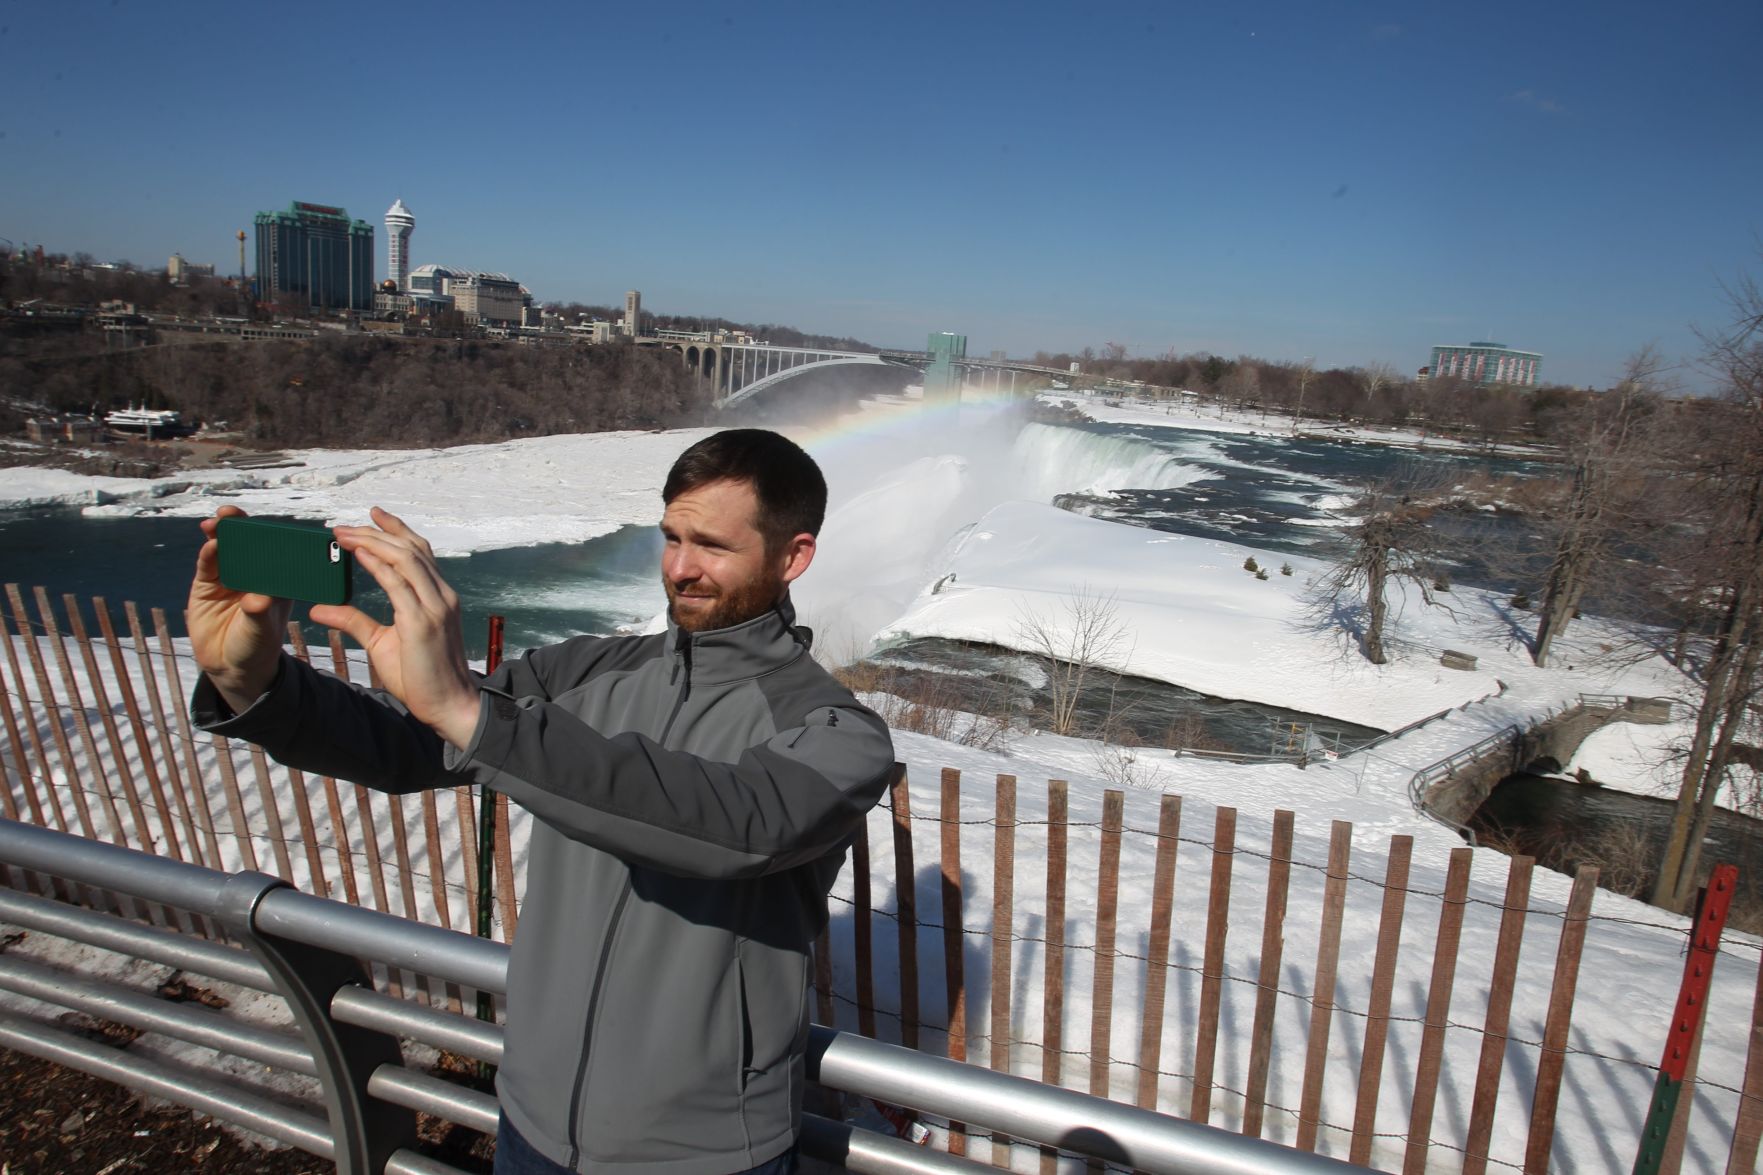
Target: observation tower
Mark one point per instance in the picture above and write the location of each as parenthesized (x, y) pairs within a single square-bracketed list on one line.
[(399, 225)]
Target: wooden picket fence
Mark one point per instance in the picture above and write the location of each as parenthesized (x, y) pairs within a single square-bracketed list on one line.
[(1199, 1079), (99, 743)]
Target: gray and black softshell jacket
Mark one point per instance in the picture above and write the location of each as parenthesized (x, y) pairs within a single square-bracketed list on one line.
[(694, 795)]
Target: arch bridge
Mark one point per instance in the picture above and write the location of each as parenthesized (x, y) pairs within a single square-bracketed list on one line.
[(740, 372)]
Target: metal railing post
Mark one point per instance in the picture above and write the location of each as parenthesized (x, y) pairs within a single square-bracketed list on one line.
[(365, 1130)]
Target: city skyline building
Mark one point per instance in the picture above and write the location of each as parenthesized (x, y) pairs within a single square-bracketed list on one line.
[(179, 271), (316, 251), (431, 279), (490, 298), (1487, 363), (400, 223), (633, 312)]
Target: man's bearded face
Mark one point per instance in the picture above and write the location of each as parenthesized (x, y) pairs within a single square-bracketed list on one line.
[(715, 567)]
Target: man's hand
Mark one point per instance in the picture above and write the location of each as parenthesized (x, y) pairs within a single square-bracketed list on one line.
[(236, 636), (420, 656)]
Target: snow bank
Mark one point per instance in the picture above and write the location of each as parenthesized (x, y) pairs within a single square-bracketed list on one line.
[(1645, 760), (1189, 413), (25, 487), (555, 489), (1191, 614)]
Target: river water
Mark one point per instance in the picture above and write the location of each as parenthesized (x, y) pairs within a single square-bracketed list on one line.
[(546, 592), (1275, 493), (1565, 824)]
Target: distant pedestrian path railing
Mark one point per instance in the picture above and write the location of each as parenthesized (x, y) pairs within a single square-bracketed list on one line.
[(320, 957), (1334, 993)]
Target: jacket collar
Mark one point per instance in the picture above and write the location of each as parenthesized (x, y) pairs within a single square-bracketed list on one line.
[(741, 650)]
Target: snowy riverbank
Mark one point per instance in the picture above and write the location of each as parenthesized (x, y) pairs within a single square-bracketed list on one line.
[(1193, 413), (555, 489)]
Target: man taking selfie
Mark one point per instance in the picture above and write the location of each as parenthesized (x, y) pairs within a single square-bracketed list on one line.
[(694, 792)]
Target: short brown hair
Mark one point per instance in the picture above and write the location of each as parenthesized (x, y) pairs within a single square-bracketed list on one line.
[(785, 479)]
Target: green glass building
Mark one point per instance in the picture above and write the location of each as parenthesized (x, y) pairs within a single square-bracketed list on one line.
[(945, 374), (315, 250)]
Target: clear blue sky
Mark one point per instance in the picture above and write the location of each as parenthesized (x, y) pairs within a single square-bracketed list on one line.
[(1349, 182)]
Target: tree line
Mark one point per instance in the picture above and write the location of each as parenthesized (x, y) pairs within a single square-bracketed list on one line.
[(1374, 394), (356, 390), (79, 281)]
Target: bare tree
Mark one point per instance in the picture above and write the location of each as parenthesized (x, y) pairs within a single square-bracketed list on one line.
[(1494, 412), (1084, 634), (1390, 544), (1242, 382), (1726, 474), (1610, 456), (1374, 377), (1306, 370)]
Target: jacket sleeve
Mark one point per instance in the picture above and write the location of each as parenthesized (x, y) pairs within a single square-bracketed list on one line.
[(319, 723), (791, 799)]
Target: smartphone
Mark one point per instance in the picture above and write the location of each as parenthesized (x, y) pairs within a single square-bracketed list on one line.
[(291, 560)]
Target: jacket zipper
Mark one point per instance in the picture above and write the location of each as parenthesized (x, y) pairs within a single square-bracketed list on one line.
[(581, 1073), (679, 703)]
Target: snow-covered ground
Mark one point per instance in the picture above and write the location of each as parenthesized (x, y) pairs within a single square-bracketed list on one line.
[(1194, 413), (556, 489), (1189, 612), (927, 536)]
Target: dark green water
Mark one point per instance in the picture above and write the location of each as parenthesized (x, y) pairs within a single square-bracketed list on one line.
[(1564, 825), (546, 593)]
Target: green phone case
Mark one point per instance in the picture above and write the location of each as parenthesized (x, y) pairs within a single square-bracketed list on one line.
[(292, 560)]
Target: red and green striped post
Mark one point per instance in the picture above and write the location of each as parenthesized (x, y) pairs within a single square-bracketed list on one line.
[(1692, 1001)]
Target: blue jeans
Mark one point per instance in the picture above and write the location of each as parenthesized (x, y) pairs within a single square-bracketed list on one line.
[(516, 1156)]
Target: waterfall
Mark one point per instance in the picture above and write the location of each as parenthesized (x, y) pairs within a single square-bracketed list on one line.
[(1051, 460)]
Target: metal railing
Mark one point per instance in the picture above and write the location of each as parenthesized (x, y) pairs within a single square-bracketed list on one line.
[(1619, 703), (1392, 735), (316, 954), (1508, 737)]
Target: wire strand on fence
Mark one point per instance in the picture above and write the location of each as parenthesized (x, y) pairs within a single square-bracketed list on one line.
[(1728, 940), (1305, 998), (1750, 943)]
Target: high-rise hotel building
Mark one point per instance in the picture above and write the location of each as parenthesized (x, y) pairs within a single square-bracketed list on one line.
[(400, 223), (1487, 363), (315, 250)]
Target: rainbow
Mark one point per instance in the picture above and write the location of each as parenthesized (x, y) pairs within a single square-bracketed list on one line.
[(902, 417)]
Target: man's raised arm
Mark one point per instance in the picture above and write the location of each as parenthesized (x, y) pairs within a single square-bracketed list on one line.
[(790, 799)]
